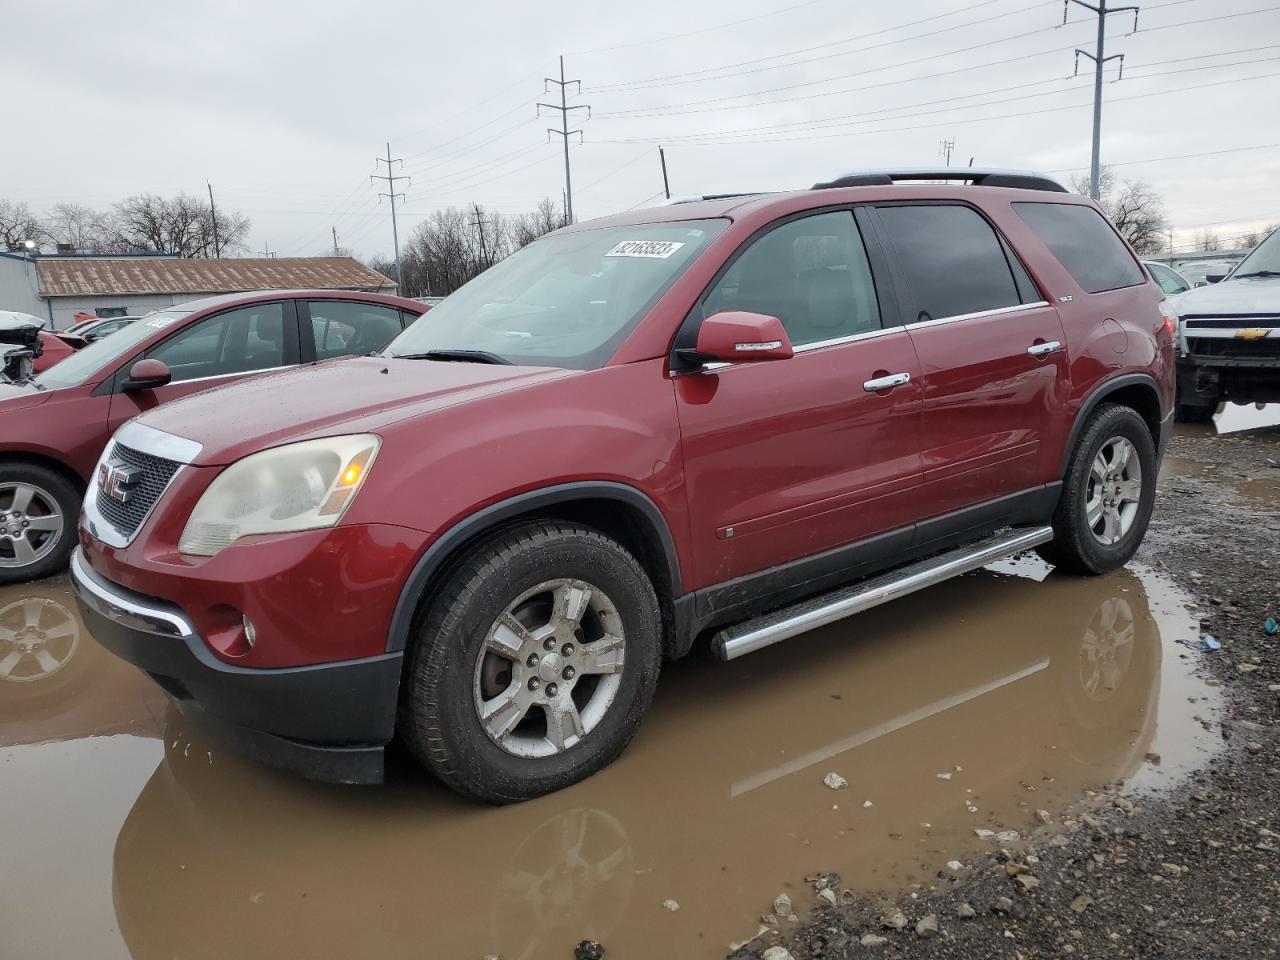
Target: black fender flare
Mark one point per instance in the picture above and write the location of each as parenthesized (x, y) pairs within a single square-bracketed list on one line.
[(1100, 393), (489, 517)]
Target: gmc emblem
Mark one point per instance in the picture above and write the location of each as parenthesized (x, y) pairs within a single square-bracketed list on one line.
[(116, 478)]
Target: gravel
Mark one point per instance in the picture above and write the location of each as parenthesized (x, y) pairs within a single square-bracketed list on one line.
[(1190, 874)]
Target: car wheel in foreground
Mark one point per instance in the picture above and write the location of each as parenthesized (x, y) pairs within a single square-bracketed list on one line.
[(1107, 494), (38, 510), (533, 667)]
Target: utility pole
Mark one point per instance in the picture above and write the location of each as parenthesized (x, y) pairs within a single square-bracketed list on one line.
[(213, 219), (1099, 59), (335, 240), (391, 195), (945, 149), (666, 187), (479, 223), (564, 130), (266, 251)]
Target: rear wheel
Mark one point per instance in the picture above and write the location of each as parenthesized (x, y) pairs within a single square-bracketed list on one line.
[(1107, 495), (38, 510), (533, 668)]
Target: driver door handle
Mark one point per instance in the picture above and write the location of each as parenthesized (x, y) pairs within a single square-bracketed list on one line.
[(1041, 349), (886, 383)]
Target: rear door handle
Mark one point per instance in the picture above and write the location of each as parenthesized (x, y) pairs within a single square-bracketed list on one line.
[(1041, 349), (886, 383)]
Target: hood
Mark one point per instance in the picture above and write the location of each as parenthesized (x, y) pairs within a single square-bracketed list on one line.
[(1248, 295), (20, 396), (357, 395)]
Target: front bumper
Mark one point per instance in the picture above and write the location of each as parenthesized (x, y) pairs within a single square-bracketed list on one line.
[(327, 721)]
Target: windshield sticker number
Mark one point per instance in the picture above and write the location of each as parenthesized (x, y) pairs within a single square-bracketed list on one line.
[(647, 249)]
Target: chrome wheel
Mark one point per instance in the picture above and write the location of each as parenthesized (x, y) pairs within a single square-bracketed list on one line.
[(31, 524), (38, 638), (1114, 492), (1107, 648), (550, 668)]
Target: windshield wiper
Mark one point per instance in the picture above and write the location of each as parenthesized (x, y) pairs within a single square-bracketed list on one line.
[(459, 356), (1258, 273)]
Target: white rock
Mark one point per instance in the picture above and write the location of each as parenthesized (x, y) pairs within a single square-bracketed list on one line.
[(984, 834), (671, 905), (943, 776), (827, 896), (782, 905), (873, 940), (867, 803), (1007, 836), (777, 953), (835, 781), (955, 866)]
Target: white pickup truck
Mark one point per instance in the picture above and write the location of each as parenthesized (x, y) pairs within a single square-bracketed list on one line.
[(1229, 337)]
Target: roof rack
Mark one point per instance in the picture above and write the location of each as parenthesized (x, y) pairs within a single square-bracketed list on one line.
[(1017, 179), (696, 197)]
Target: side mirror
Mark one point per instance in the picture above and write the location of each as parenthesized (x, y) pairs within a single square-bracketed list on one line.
[(736, 336), (147, 374)]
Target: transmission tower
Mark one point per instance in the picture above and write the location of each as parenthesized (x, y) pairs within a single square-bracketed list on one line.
[(480, 223), (1099, 58), (564, 130), (391, 195)]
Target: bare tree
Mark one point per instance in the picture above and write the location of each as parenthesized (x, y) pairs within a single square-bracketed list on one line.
[(182, 225), (18, 225), (1133, 206), (1254, 237), (81, 227), (1208, 240), (529, 227)]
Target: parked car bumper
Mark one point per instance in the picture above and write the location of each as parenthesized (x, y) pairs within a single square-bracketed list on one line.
[(328, 721)]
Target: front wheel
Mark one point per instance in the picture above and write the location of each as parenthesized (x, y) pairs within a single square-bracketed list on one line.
[(1107, 495), (38, 511), (533, 667)]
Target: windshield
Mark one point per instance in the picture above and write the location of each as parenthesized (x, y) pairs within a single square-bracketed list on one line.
[(83, 364), (1264, 259), (567, 300)]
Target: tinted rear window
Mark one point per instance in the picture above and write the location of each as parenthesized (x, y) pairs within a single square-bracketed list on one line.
[(952, 259), (1084, 243)]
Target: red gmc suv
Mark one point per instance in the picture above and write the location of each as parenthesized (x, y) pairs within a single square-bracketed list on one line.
[(741, 416), (53, 427)]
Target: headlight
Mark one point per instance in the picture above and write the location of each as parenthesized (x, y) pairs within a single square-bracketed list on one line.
[(301, 486)]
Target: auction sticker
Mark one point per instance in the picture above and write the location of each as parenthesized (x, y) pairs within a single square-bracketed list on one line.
[(651, 249)]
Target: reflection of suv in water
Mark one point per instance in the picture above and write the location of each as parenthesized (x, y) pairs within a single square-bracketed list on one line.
[(1229, 337), (751, 415), (53, 428)]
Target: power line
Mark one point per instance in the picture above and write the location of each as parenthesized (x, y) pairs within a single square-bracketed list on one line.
[(708, 139), (564, 130), (698, 76), (391, 194), (1181, 156), (702, 30)]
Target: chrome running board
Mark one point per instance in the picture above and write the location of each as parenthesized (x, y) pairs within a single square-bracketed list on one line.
[(751, 635)]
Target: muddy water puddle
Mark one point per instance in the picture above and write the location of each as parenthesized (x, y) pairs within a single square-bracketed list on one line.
[(1020, 689)]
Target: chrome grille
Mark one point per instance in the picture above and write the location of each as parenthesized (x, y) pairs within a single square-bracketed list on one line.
[(156, 472)]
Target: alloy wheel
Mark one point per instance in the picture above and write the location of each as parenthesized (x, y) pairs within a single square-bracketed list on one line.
[(550, 668), (31, 524), (1114, 492)]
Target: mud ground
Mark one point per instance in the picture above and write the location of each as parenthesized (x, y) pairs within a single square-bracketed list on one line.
[(1191, 873)]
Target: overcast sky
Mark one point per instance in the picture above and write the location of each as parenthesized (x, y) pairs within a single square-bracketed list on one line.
[(283, 105)]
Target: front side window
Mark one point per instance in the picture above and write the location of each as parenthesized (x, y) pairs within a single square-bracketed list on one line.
[(811, 273), (1084, 243), (566, 300), (94, 359), (237, 341), (348, 328), (952, 260)]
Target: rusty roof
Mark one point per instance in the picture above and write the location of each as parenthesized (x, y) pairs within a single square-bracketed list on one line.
[(81, 277)]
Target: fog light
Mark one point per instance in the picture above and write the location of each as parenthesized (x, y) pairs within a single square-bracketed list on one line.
[(250, 633)]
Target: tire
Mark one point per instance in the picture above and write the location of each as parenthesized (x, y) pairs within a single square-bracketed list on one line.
[(1194, 412), (1084, 546), (527, 573), (29, 496)]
